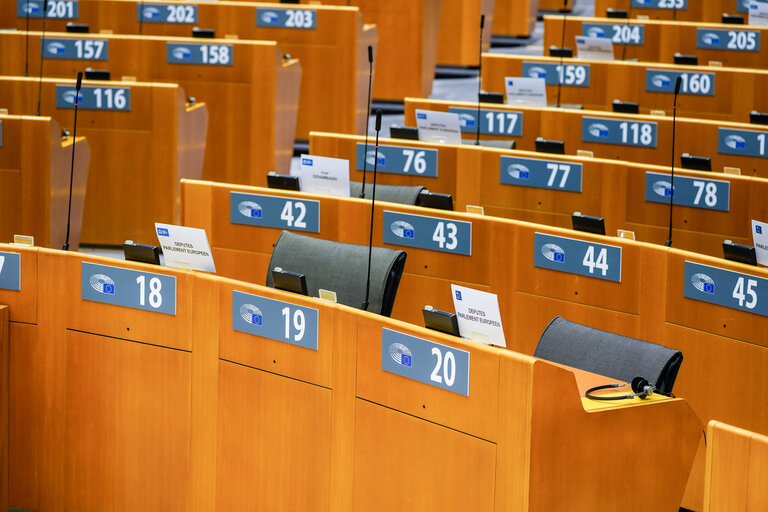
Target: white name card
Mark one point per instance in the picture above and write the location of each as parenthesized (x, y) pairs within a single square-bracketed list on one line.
[(185, 247), (594, 48), (526, 91), (324, 175), (478, 315), (441, 127)]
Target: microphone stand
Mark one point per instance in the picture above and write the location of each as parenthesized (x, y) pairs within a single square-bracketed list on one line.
[(480, 77), (373, 201), (367, 117), (672, 179), (65, 247)]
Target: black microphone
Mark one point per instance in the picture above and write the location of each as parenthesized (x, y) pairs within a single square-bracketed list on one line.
[(561, 73), (26, 40), (373, 201), (141, 16), (672, 178), (628, 34), (367, 117), (42, 54), (65, 247), (479, 78)]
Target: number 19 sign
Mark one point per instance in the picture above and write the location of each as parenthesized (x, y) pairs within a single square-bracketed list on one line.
[(275, 319), (128, 288)]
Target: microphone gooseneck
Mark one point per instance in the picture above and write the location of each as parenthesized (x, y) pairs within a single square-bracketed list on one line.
[(26, 40), (479, 79), (65, 247), (367, 116), (672, 173), (561, 71), (141, 16), (42, 54), (628, 34), (373, 202)]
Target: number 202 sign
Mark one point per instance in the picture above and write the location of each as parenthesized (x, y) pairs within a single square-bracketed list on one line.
[(128, 288), (425, 361), (275, 319)]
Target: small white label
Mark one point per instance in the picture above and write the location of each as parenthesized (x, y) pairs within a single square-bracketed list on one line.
[(324, 175), (760, 241), (185, 247), (478, 315), (594, 48), (443, 127), (526, 91), (758, 13)]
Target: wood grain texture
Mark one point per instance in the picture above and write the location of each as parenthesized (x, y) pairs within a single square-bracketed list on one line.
[(329, 54), (517, 17), (710, 11), (663, 39), (4, 403), (459, 38), (697, 136)]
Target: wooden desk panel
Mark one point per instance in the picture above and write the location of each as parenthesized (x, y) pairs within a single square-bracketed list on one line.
[(459, 39), (694, 136), (736, 92), (34, 179), (246, 137), (4, 404), (517, 17), (329, 54), (126, 195), (662, 39)]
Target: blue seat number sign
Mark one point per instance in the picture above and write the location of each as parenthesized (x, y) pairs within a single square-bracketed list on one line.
[(57, 9), (76, 49), (94, 98), (726, 288), (576, 75), (579, 257), (274, 212), (420, 162), (10, 271), (663, 80), (694, 192), (275, 319), (618, 131), (722, 39), (200, 53), (741, 142), (549, 174), (128, 288), (619, 33), (425, 361), (165, 13), (681, 5), (492, 122), (432, 233), (286, 18)]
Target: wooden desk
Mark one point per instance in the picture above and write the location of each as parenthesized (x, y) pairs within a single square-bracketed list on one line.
[(695, 136), (407, 50), (517, 17), (126, 196), (710, 10), (251, 104), (659, 40), (612, 189), (4, 405), (459, 39), (729, 94), (166, 411), (34, 180), (719, 342), (333, 55)]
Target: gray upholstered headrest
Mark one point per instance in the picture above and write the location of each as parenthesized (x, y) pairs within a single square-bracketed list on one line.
[(340, 268), (403, 194)]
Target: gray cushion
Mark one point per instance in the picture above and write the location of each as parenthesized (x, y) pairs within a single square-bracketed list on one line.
[(403, 194), (341, 268), (609, 354)]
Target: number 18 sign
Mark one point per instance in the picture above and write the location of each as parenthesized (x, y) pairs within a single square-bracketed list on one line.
[(128, 288)]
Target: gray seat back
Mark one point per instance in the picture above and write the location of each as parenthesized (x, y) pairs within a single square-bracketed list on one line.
[(341, 268), (403, 194), (609, 354)]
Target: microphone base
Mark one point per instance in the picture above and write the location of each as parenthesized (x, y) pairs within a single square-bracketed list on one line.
[(65, 247), (668, 243), (364, 306)]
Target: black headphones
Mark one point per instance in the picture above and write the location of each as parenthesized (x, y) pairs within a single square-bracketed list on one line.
[(640, 388)]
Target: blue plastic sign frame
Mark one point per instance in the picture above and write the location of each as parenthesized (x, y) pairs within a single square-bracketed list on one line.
[(631, 34), (619, 132), (693, 84), (425, 361), (726, 288), (403, 160), (201, 54), (76, 49), (128, 288), (185, 14), (94, 98), (589, 259), (692, 192), (57, 9), (431, 233), (728, 39), (300, 19), (680, 5), (741, 142), (279, 212), (495, 122), (10, 271), (546, 174), (274, 319), (573, 75)]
